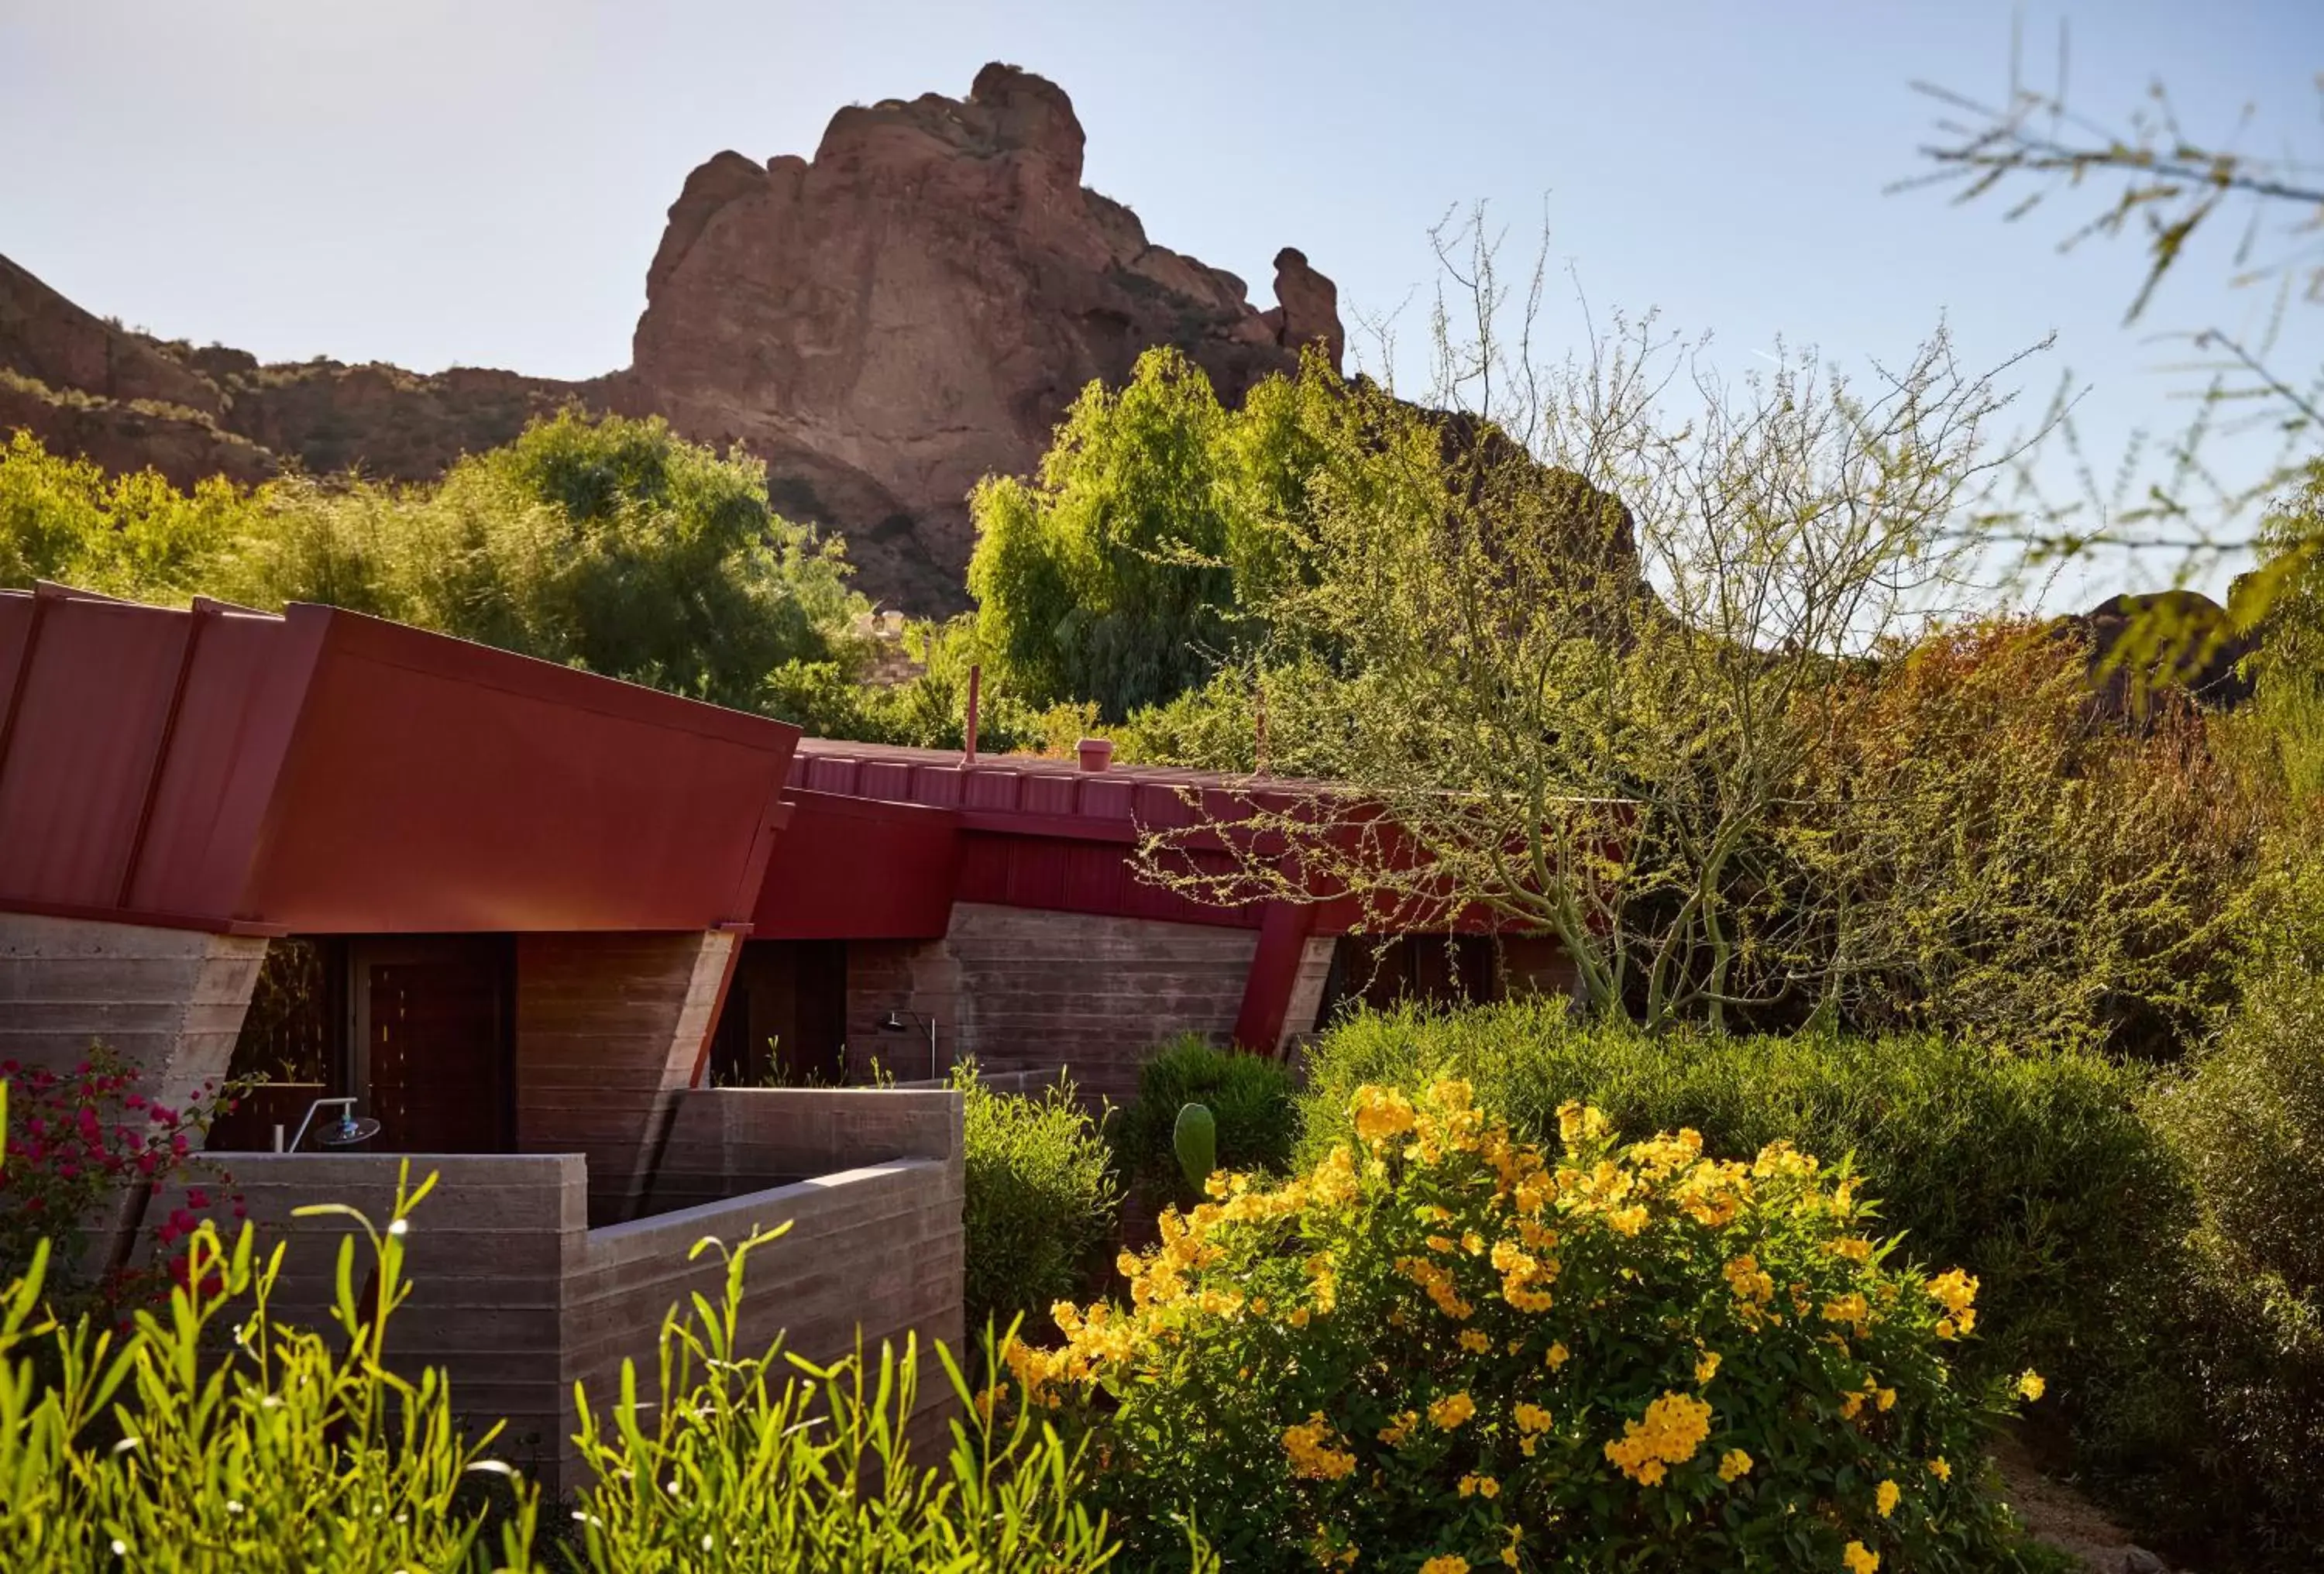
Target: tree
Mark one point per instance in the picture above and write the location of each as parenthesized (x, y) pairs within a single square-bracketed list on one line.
[(604, 543), (1590, 717), (1125, 572), (2160, 183)]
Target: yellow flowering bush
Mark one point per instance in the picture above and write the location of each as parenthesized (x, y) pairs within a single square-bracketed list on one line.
[(1442, 1350)]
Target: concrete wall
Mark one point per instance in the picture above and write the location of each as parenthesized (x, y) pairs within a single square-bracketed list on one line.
[(516, 1297), (1299, 1023), (1024, 990), (608, 1028), (171, 1001)]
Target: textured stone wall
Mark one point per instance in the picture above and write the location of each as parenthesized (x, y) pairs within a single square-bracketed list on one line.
[(1025, 990), (516, 1297), (169, 1001), (608, 1029)]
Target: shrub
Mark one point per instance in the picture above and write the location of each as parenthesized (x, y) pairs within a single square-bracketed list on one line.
[(299, 1451), (1251, 1098), (753, 1461), (1041, 1198), (2219, 1435), (1441, 1344), (75, 1150), (2034, 1172), (2017, 863)]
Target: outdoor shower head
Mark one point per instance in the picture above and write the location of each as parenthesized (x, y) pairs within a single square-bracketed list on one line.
[(350, 1129)]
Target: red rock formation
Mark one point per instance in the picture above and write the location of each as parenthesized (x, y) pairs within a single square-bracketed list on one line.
[(884, 325), (914, 309)]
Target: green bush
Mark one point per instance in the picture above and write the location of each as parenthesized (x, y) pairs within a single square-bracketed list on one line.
[(301, 1451), (749, 1461), (2034, 1172), (1252, 1099), (1042, 1201), (2221, 1434), (1443, 1349)]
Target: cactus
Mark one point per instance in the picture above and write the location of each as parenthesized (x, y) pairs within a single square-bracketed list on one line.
[(1195, 1139)]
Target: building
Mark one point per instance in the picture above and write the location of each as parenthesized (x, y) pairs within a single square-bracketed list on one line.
[(567, 937)]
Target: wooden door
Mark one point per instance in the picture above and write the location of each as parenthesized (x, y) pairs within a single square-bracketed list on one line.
[(432, 1041)]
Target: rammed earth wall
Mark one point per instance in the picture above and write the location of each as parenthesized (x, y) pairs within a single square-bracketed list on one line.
[(516, 1297)]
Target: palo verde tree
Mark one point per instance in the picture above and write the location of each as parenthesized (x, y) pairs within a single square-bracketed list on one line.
[(1579, 612)]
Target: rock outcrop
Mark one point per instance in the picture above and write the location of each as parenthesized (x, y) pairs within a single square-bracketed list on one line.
[(914, 307), (883, 324)]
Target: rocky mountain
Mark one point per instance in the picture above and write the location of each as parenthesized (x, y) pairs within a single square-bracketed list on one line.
[(883, 323)]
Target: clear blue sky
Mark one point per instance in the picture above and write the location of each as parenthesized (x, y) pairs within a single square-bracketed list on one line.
[(451, 181)]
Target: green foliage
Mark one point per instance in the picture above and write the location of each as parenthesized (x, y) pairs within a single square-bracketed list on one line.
[(2034, 1172), (1129, 567), (2220, 1434), (742, 1459), (1195, 1139), (603, 543), (1440, 1348), (66, 520), (298, 1450), (927, 709), (1250, 1099), (1041, 1205), (2017, 865)]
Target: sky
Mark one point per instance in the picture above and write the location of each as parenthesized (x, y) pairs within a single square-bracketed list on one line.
[(483, 182)]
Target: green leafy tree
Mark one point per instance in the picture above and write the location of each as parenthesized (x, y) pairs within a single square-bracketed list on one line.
[(66, 520), (1127, 569), (599, 542)]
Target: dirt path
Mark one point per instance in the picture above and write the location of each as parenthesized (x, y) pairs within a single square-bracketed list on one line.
[(2057, 1513)]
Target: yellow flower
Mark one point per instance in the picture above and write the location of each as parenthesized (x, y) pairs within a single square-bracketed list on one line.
[(1312, 1454), (1452, 1410), (1479, 1486), (1672, 1428), (1734, 1463), (2032, 1385), (1706, 1368), (1886, 1398), (1449, 1563), (1940, 1470), (1394, 1433), (1627, 1220), (1474, 1340), (1558, 1356), (1954, 1291), (1859, 1559), (1850, 1308), (1381, 1114), (1578, 1122), (1471, 1242), (1854, 1248), (1884, 1496), (1750, 1283)]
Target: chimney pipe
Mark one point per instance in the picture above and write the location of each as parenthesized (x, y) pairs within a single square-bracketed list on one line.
[(976, 691)]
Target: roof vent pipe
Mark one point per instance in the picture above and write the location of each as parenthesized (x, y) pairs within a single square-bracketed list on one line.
[(1096, 753)]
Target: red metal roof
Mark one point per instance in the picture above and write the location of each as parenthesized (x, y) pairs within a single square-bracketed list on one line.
[(1030, 832), (324, 771)]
